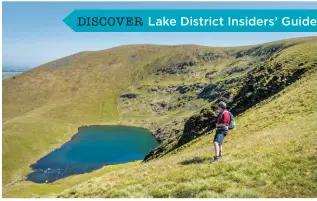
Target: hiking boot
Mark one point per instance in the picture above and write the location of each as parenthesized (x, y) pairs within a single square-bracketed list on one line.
[(216, 159)]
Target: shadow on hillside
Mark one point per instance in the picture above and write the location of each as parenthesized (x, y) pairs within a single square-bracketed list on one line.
[(196, 160)]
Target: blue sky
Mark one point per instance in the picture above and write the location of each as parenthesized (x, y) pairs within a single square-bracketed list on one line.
[(34, 33)]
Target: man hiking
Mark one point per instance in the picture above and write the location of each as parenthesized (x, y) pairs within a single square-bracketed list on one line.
[(222, 129)]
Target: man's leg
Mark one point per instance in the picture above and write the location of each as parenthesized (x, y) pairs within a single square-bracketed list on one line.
[(220, 150), (216, 158), (216, 149)]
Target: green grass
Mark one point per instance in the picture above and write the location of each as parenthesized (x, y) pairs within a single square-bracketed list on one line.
[(43, 108), (271, 153), (40, 105), (30, 189)]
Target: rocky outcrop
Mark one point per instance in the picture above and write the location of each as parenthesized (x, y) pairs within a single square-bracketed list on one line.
[(177, 133), (186, 98), (214, 92), (260, 51), (128, 95), (161, 106), (168, 136), (210, 56), (210, 74), (259, 84), (237, 69), (175, 68), (263, 83), (232, 81), (186, 88), (182, 89), (159, 89), (198, 125)]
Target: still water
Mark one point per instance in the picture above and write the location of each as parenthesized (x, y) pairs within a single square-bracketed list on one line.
[(92, 148)]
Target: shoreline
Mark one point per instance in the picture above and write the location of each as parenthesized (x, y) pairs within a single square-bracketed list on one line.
[(72, 137)]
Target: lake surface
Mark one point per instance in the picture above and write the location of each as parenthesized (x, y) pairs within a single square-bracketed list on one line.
[(92, 148)]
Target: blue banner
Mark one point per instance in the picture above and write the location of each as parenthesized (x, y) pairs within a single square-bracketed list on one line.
[(196, 20)]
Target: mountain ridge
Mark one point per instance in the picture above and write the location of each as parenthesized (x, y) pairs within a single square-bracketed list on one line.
[(173, 91)]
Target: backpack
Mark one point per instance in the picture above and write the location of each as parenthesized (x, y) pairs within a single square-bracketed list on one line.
[(232, 123)]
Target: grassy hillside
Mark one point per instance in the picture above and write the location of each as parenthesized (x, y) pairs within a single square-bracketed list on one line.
[(171, 90), (272, 153), (43, 107)]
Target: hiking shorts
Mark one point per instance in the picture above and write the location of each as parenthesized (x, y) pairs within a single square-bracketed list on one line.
[(219, 137)]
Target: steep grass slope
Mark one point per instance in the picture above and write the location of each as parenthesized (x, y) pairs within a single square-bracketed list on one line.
[(171, 90), (43, 108), (272, 153), (243, 83)]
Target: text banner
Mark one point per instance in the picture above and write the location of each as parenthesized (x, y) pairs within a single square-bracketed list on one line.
[(198, 20)]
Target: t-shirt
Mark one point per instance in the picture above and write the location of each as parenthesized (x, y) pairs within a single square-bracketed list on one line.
[(223, 121)]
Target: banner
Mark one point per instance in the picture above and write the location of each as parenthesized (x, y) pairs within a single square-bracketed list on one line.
[(196, 20)]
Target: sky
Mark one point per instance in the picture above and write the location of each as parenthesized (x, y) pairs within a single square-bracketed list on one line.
[(34, 32)]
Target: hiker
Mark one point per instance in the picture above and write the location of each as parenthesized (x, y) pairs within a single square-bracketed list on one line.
[(222, 129)]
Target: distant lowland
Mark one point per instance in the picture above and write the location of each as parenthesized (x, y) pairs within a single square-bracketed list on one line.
[(62, 123), (10, 71)]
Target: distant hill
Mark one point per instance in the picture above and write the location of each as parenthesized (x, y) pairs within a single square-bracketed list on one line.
[(9, 71), (14, 69), (172, 90)]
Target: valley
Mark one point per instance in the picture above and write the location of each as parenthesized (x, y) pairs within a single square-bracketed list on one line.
[(172, 91)]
